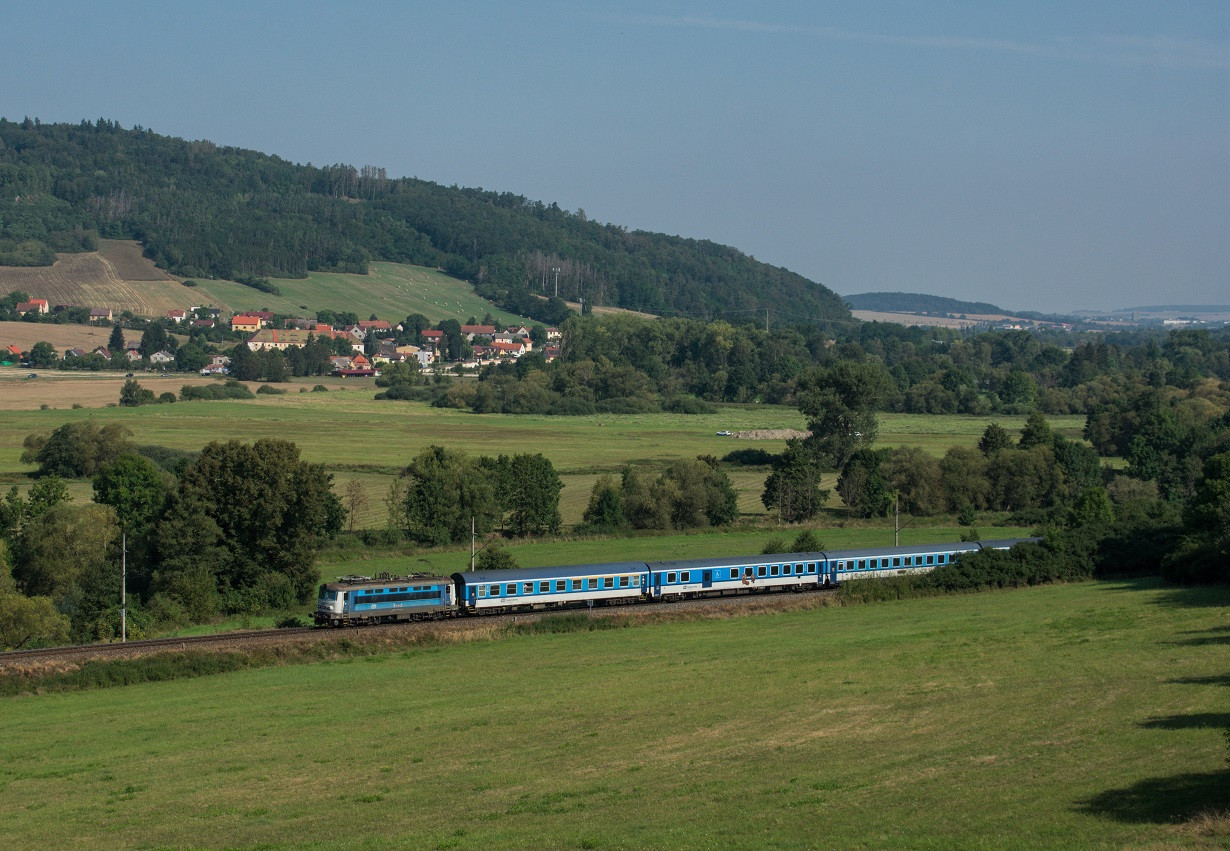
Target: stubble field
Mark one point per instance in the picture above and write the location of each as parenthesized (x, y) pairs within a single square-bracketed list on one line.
[(1087, 715)]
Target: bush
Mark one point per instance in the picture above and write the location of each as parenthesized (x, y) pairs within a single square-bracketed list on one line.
[(166, 398), (381, 537), (749, 458), (320, 388), (688, 405), (270, 390), (292, 622), (774, 545), (232, 389)]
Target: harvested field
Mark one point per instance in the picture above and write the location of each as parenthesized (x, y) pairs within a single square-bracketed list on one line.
[(129, 263), (65, 389), (23, 335), (93, 280)]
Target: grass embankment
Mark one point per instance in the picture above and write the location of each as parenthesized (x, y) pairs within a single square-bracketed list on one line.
[(1066, 715)]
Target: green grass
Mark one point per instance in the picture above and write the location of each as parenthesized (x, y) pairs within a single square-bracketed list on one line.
[(1072, 716), (392, 291), (360, 438)]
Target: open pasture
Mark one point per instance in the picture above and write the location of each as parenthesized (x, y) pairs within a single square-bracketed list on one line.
[(356, 436), (1087, 715)]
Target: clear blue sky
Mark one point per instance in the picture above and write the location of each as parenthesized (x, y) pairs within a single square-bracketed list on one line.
[(1034, 154)]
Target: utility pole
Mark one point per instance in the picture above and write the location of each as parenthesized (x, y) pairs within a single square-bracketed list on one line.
[(123, 586), (896, 519), (557, 281), (471, 543), (766, 320)]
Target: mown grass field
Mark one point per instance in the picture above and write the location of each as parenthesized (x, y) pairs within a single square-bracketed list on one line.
[(392, 291), (360, 438), (1088, 715)]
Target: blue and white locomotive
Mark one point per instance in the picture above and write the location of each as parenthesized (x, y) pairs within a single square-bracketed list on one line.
[(360, 600), (355, 600)]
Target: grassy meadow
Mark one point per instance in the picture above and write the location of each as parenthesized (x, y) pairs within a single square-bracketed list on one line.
[(392, 291), (357, 437), (1087, 715)]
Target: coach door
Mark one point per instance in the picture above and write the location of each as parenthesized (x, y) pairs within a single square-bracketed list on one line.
[(706, 580), (657, 582)]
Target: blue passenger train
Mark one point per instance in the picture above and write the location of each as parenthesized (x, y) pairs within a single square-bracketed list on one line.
[(356, 600)]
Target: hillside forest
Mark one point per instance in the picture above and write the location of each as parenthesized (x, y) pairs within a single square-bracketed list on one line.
[(202, 210)]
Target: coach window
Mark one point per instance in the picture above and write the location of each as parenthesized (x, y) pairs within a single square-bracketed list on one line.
[(671, 578), (608, 582), (544, 587), (685, 577), (930, 559), (561, 585), (773, 570), (623, 582), (762, 571)]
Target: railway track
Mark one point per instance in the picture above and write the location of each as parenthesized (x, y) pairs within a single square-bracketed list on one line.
[(16, 659)]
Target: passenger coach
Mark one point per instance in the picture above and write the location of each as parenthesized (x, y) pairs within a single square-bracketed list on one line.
[(547, 587)]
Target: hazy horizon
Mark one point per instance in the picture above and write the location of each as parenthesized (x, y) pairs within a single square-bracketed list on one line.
[(1039, 156)]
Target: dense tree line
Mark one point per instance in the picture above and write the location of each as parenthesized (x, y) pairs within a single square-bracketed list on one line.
[(202, 210), (621, 364), (232, 529)]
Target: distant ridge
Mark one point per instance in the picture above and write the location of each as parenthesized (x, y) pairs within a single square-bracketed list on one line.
[(205, 211), (1188, 308), (918, 303)]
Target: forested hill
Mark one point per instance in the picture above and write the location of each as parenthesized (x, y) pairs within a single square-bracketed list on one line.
[(202, 210), (917, 303)]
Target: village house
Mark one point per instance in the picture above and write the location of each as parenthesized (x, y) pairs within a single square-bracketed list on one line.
[(246, 322), (511, 350), (71, 353), (103, 352), (202, 323), (472, 331), (177, 315), (553, 334), (375, 325), (36, 305), (162, 357), (133, 353), (100, 314), (278, 339)]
